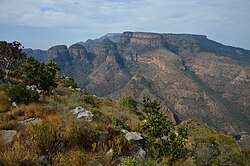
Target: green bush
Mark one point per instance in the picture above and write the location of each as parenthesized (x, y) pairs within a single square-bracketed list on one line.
[(162, 139), (69, 82), (40, 74), (130, 161), (89, 99), (20, 94)]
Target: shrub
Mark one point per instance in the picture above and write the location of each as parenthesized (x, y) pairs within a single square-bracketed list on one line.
[(40, 74), (20, 94), (129, 161), (163, 140), (89, 99), (70, 82)]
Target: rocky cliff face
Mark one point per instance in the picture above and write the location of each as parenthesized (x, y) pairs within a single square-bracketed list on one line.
[(105, 50), (59, 53), (141, 38), (78, 51), (193, 76)]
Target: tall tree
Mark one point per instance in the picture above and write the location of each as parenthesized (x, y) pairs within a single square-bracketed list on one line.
[(10, 57)]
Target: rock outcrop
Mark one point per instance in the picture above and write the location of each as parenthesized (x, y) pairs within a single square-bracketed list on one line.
[(103, 49), (137, 140), (7, 135), (142, 38), (60, 55), (31, 121), (82, 114), (78, 51)]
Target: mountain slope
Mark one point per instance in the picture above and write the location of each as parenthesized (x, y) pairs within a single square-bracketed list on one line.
[(193, 76)]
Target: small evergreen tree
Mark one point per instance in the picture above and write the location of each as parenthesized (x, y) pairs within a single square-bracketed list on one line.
[(40, 74), (163, 140)]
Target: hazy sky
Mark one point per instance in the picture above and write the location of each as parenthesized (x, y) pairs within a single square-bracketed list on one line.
[(43, 23)]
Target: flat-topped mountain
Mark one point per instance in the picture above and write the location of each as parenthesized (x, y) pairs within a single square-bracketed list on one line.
[(192, 75)]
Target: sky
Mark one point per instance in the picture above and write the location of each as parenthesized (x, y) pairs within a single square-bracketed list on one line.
[(42, 24)]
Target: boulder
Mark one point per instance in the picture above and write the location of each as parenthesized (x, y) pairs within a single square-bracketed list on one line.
[(140, 154), (23, 124), (133, 137), (7, 135), (14, 104), (82, 113), (137, 140)]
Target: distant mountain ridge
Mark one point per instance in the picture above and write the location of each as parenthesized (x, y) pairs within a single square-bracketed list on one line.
[(192, 75)]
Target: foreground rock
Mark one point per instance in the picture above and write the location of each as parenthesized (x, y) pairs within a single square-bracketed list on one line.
[(137, 140), (31, 121), (7, 135), (133, 137), (82, 114)]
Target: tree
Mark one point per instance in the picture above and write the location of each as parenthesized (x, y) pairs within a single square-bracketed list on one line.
[(10, 57), (40, 74), (21, 94), (163, 140)]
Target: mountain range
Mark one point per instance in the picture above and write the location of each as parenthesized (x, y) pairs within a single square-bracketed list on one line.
[(191, 75)]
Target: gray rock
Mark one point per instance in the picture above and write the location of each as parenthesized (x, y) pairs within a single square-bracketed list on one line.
[(77, 110), (132, 136), (137, 140), (7, 135), (140, 154), (87, 115), (43, 160), (23, 124), (78, 90), (82, 113), (14, 104), (41, 98)]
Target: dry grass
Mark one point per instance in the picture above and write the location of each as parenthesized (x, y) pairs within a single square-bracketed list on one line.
[(29, 111), (10, 119), (17, 155), (78, 157), (78, 134), (4, 103), (54, 118)]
